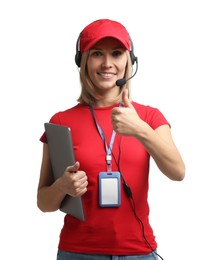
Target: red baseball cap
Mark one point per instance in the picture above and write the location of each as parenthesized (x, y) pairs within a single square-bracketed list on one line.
[(103, 28)]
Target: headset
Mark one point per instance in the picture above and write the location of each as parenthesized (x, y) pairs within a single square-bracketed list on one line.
[(78, 54)]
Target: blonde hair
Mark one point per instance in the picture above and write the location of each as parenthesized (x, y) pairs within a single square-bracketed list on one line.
[(88, 94)]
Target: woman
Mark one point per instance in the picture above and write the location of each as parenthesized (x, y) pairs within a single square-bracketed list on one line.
[(113, 136)]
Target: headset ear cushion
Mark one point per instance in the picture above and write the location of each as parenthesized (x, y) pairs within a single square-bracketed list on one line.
[(78, 58), (132, 57), (78, 53)]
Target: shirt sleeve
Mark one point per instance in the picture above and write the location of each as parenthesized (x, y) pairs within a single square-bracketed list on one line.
[(55, 119), (155, 118)]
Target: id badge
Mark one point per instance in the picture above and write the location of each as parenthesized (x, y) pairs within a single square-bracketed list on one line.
[(109, 189)]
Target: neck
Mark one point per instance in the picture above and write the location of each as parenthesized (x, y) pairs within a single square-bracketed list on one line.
[(107, 97), (105, 103)]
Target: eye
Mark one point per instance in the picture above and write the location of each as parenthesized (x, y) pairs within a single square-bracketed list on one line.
[(96, 53), (116, 53)]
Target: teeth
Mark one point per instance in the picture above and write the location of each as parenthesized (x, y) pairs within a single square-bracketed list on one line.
[(106, 75)]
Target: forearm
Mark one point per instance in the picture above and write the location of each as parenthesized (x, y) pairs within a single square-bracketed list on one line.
[(49, 198)]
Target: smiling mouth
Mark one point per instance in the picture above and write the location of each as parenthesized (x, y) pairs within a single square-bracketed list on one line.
[(106, 75)]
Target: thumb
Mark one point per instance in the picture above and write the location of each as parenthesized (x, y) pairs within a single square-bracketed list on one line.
[(125, 100), (74, 167)]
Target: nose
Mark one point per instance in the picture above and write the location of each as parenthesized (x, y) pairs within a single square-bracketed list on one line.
[(107, 61)]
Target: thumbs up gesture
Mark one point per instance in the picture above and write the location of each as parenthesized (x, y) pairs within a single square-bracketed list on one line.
[(125, 120)]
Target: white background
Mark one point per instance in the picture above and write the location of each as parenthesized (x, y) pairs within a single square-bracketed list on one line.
[(38, 77)]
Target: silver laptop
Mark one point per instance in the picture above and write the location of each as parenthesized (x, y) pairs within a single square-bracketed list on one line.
[(62, 155)]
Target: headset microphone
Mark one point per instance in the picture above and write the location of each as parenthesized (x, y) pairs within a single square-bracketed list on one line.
[(121, 82)]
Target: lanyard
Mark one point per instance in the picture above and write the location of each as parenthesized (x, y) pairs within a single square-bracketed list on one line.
[(108, 149)]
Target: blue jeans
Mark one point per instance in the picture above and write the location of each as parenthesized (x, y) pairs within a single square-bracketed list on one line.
[(63, 255)]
